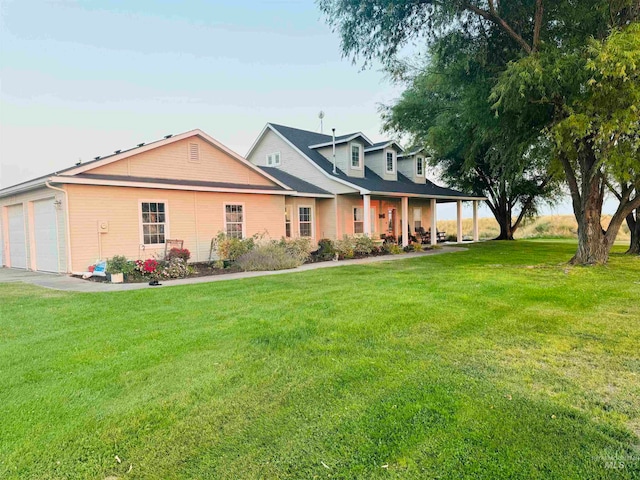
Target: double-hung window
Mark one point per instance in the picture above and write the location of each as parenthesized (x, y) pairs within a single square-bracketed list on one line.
[(390, 166), (234, 220), (358, 220), (154, 218), (273, 159), (355, 156), (305, 220), (419, 167), (287, 222)]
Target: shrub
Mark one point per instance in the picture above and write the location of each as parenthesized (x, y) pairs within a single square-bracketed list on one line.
[(298, 248), (272, 256), (175, 268), (147, 267), (392, 248), (416, 247), (182, 253), (229, 248), (345, 248), (363, 245), (326, 249), (120, 264)]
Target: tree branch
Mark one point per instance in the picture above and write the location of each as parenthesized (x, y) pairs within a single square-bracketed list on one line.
[(493, 16), (537, 25)]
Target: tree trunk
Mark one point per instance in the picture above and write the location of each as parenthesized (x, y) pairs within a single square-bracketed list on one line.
[(504, 221), (634, 228)]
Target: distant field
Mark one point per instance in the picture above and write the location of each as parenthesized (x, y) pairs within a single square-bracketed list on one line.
[(548, 226)]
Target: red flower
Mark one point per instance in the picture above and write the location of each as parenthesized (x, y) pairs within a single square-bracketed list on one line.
[(150, 265)]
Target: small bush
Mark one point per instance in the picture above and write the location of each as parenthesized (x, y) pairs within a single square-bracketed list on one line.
[(182, 253), (120, 264), (392, 248), (416, 247), (298, 248), (363, 245), (175, 268), (326, 249), (228, 248), (272, 256), (345, 248)]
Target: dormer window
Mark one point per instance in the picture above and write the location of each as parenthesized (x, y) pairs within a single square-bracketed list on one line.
[(390, 163), (355, 156), (273, 160), (419, 167)]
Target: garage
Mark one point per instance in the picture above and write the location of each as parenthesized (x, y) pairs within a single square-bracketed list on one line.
[(17, 244), (45, 234)]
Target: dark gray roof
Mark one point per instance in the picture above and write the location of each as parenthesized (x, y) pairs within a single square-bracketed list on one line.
[(292, 182), (171, 181), (371, 181)]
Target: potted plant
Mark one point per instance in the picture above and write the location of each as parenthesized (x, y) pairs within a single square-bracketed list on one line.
[(118, 267)]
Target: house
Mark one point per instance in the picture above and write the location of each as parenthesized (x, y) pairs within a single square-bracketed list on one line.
[(191, 187), (375, 188)]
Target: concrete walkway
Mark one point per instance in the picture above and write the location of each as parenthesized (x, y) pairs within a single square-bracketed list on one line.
[(74, 284)]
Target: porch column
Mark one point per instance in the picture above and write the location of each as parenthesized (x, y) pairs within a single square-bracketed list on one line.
[(405, 221), (434, 223), (459, 218), (366, 201), (476, 231)]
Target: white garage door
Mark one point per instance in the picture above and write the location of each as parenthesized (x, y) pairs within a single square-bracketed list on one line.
[(46, 235), (17, 247)]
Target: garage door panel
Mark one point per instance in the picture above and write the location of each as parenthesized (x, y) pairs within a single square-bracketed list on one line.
[(17, 238), (45, 235)]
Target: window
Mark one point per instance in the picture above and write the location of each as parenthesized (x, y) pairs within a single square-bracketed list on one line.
[(153, 222), (234, 221), (287, 222), (355, 156), (358, 220), (390, 167), (273, 160), (419, 166), (194, 152), (417, 218), (304, 221)]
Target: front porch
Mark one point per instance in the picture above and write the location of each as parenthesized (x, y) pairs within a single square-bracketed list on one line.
[(401, 218)]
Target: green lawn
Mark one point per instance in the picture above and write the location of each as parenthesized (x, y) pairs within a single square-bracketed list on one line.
[(497, 362)]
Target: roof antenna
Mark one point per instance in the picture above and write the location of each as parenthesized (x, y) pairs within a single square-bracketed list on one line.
[(333, 130), (321, 116)]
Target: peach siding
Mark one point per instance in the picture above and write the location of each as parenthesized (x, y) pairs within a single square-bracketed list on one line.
[(27, 199), (172, 161), (195, 217)]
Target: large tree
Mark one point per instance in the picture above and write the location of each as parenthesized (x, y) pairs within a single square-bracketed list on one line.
[(563, 67), (446, 107)]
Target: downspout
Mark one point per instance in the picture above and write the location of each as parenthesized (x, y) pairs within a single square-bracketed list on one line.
[(334, 150), (66, 217)]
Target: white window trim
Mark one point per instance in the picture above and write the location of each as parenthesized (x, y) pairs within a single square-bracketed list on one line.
[(312, 220), (421, 160), (275, 163), (353, 216), (373, 213), (393, 154), (288, 209), (244, 217), (166, 222), (360, 156)]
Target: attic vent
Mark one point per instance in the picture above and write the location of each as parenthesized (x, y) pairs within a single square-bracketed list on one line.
[(194, 152), (141, 144), (97, 158), (169, 136), (117, 151)]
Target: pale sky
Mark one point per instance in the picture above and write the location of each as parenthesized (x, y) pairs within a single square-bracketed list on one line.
[(80, 79)]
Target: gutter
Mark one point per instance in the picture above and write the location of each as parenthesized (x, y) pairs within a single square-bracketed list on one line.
[(66, 217)]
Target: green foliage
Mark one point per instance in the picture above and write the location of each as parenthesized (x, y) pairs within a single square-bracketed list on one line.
[(182, 253), (176, 267), (363, 245), (230, 248), (392, 248), (326, 249), (298, 248), (271, 256), (120, 264), (345, 247)]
